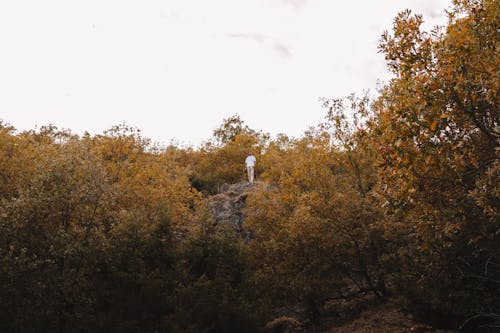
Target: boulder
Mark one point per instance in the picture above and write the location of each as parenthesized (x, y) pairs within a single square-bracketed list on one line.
[(227, 207)]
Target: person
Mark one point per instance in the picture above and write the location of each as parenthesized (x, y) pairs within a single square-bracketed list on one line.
[(250, 164)]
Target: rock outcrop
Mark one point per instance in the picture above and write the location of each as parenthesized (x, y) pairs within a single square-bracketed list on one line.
[(227, 207)]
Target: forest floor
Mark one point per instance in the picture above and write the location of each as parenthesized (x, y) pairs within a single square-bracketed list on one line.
[(380, 318), (366, 314)]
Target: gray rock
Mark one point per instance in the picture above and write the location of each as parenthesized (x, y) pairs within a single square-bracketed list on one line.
[(227, 207)]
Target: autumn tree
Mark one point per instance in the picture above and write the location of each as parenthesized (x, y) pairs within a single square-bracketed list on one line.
[(437, 137), (315, 225), (221, 159), (88, 227), (229, 129)]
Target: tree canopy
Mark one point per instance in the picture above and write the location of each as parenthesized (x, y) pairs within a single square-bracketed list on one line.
[(395, 196)]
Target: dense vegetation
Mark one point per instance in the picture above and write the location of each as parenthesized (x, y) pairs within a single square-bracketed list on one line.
[(396, 196)]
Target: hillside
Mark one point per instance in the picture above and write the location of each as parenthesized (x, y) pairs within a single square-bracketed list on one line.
[(364, 315), (384, 217)]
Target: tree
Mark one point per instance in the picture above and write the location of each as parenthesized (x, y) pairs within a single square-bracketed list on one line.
[(438, 160), (221, 159), (229, 129), (315, 226)]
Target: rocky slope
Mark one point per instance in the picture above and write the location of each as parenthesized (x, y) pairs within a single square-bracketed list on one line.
[(227, 207)]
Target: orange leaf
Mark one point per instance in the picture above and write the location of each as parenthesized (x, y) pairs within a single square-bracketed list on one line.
[(434, 124)]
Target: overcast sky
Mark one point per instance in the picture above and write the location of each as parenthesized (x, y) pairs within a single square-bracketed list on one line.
[(176, 68)]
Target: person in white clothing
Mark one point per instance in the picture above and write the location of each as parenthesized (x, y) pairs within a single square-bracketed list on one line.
[(250, 163)]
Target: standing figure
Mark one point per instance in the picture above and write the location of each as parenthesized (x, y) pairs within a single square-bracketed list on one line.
[(250, 163)]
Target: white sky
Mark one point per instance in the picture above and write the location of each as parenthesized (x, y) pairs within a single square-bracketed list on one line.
[(176, 68)]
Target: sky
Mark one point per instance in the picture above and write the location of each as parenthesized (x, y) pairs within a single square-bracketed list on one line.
[(176, 68)]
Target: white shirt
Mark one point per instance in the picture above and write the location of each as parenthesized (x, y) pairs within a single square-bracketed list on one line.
[(250, 161)]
